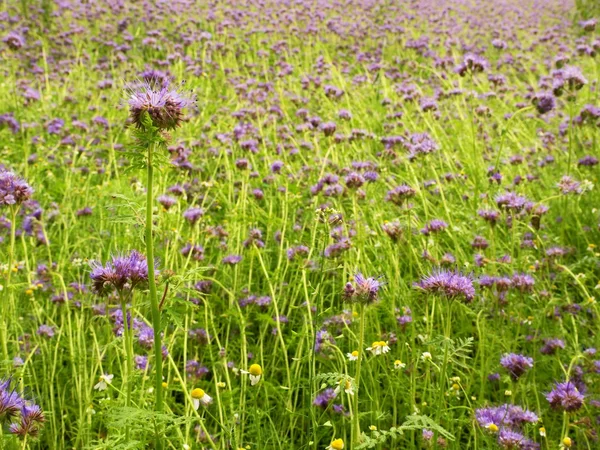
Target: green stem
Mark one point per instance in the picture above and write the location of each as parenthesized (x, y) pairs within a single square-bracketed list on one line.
[(153, 298), (361, 345)]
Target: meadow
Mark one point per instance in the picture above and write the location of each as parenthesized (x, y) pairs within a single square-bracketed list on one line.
[(299, 224)]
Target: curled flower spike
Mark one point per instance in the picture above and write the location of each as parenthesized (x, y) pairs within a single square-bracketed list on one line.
[(199, 396), (13, 190), (337, 444), (164, 105), (255, 372)]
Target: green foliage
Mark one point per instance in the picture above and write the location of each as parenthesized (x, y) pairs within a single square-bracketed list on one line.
[(414, 422)]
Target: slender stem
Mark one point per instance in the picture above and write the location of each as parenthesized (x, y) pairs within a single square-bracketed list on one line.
[(361, 345), (153, 296)]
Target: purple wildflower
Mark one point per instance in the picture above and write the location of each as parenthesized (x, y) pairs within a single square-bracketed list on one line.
[(565, 396), (448, 284), (516, 364), (13, 190), (164, 105)]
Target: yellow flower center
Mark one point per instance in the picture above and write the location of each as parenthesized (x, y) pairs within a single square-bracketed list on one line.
[(255, 370), (198, 393), (355, 353), (567, 441), (338, 444), (492, 427)]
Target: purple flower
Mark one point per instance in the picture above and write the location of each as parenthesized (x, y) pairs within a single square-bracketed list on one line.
[(231, 259), (364, 290), (435, 226), (10, 401), (551, 345), (565, 396), (544, 102), (14, 41), (511, 201), (448, 284), (504, 416), (516, 364), (46, 331), (193, 214), (400, 194), (523, 282), (324, 399), (164, 105), (131, 270), (13, 190), (167, 201)]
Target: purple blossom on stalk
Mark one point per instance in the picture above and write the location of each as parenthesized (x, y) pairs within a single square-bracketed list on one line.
[(544, 102), (511, 201), (551, 346), (10, 401), (32, 417), (163, 104), (516, 365), (193, 214), (363, 290), (400, 194), (504, 416), (448, 284), (13, 190), (435, 226), (14, 40), (130, 270), (231, 260), (513, 440), (565, 396)]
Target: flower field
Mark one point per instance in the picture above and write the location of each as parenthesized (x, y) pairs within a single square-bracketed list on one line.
[(299, 224)]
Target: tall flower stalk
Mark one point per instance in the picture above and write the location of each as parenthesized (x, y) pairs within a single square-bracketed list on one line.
[(154, 109)]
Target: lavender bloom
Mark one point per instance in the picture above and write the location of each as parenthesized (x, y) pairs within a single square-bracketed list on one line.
[(544, 102), (551, 345), (14, 41), (448, 284), (511, 416), (400, 194), (588, 161), (46, 331), (193, 214), (565, 396), (32, 417), (13, 190), (131, 270), (364, 290), (523, 282), (231, 259), (510, 440), (516, 365), (10, 401), (167, 201), (164, 105), (141, 362), (324, 399), (435, 226), (511, 201)]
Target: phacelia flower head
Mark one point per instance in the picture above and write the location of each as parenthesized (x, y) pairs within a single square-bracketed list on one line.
[(163, 104), (364, 289), (448, 284), (131, 270), (13, 190), (516, 364), (565, 396)]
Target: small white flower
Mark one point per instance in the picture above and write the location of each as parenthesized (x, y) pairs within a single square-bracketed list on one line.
[(105, 380), (353, 356), (345, 384), (399, 365), (379, 347), (255, 372), (199, 396), (426, 356)]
